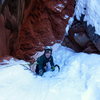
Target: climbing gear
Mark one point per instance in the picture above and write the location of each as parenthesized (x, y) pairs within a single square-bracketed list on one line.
[(57, 67), (47, 49), (52, 68)]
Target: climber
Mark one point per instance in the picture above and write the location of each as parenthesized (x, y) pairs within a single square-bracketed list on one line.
[(45, 62)]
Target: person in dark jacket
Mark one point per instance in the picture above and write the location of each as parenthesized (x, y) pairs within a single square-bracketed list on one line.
[(43, 60)]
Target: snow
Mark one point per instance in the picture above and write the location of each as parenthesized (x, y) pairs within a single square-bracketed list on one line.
[(66, 16), (69, 24), (91, 9), (59, 7), (78, 79)]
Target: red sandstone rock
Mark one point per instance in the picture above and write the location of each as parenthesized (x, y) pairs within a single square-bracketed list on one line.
[(8, 31), (26, 26), (4, 38), (44, 24)]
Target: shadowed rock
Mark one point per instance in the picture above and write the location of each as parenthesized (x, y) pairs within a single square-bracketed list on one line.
[(82, 38)]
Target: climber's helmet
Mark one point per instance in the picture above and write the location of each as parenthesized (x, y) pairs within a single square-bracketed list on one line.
[(48, 51)]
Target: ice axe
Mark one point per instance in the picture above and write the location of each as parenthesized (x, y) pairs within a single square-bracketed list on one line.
[(57, 67)]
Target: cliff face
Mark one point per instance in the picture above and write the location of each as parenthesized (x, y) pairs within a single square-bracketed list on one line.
[(43, 24), (84, 32), (26, 26), (29, 25), (8, 26), (82, 38)]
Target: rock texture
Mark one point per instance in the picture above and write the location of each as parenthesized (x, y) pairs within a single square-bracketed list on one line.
[(8, 26), (43, 24), (82, 38), (26, 26)]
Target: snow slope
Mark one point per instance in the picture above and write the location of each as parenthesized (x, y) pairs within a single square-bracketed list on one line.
[(79, 78)]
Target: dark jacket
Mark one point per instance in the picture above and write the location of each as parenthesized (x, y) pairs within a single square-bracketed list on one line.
[(42, 60)]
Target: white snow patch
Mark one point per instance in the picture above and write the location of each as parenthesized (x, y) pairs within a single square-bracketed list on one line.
[(78, 79), (66, 16), (59, 7)]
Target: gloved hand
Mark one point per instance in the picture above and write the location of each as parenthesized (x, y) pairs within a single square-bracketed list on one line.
[(41, 72), (52, 68)]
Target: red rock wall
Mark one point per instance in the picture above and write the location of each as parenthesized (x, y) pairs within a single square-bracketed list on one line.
[(28, 25), (43, 24), (4, 38), (8, 27)]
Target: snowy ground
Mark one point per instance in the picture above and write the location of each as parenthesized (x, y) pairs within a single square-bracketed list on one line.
[(79, 78)]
